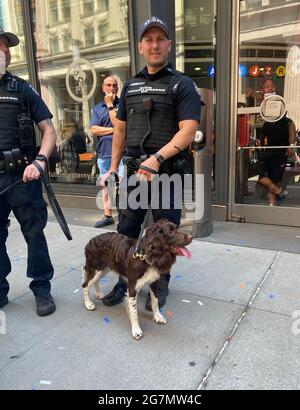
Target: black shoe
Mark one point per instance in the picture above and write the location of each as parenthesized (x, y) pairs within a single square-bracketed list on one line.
[(162, 298), (115, 296), (44, 304), (3, 301), (106, 220)]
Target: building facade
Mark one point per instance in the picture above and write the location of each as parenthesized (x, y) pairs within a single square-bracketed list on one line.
[(229, 48)]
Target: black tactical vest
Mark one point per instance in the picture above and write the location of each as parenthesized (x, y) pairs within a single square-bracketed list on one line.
[(159, 123), (12, 104)]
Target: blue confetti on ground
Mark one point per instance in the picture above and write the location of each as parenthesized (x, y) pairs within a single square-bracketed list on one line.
[(178, 277), (15, 258), (104, 280), (271, 296), (106, 319), (228, 250)]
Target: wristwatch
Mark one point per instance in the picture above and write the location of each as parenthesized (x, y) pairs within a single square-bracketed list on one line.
[(41, 157), (159, 157), (111, 108)]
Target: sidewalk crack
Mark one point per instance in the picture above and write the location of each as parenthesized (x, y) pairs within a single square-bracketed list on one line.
[(237, 325)]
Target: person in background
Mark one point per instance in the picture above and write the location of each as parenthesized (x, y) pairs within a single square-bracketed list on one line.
[(102, 123), (282, 132)]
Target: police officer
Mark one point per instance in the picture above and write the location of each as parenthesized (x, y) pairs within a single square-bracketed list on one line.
[(158, 114), (20, 105)]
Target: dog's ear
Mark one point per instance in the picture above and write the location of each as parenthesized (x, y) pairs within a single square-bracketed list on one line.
[(157, 252), (162, 227)]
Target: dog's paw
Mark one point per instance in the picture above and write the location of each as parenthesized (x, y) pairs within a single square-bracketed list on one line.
[(99, 295), (137, 334), (89, 305), (159, 319)]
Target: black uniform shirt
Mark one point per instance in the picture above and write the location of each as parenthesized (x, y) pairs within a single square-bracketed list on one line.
[(187, 98), (38, 109)]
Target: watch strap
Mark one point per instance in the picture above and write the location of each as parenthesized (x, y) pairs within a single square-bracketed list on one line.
[(41, 157), (159, 157)]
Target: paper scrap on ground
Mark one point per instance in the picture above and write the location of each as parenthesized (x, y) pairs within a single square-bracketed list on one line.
[(186, 301), (200, 303), (76, 290), (47, 382), (169, 313), (242, 285)]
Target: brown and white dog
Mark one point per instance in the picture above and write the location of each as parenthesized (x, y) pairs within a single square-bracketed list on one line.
[(114, 252)]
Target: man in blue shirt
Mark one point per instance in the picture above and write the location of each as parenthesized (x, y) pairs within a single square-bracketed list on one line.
[(102, 123), (21, 104)]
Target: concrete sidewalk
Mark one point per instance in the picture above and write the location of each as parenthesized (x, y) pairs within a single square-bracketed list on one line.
[(229, 313)]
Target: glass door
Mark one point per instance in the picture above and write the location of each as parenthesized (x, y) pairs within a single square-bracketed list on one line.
[(267, 137)]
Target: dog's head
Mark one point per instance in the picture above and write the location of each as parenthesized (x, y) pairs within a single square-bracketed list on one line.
[(163, 242)]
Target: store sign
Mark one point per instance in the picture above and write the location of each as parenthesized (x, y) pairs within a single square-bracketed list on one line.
[(268, 70), (280, 71), (211, 71), (254, 71), (76, 80), (242, 70), (273, 108)]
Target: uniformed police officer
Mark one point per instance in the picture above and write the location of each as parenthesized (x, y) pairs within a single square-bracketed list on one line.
[(20, 105), (158, 114)]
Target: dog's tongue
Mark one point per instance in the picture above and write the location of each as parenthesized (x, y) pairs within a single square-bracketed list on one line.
[(184, 252)]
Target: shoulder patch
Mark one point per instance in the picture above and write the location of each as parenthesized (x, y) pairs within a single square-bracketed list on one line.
[(34, 90), (197, 89)]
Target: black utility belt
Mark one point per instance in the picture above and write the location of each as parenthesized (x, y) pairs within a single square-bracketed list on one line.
[(13, 160)]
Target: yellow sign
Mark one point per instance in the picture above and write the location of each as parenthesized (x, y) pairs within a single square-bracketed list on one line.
[(280, 71)]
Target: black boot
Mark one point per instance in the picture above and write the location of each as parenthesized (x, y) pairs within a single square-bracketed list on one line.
[(163, 291), (45, 304), (116, 295), (3, 301)]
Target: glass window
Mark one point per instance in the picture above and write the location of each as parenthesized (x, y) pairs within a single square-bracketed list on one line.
[(66, 9), (102, 5), (268, 83), (89, 35), (88, 7), (195, 53), (11, 20), (53, 12), (72, 62)]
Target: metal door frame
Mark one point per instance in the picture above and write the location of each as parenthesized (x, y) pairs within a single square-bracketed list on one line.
[(276, 215)]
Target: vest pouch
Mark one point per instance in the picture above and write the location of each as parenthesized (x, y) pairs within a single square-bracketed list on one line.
[(26, 132)]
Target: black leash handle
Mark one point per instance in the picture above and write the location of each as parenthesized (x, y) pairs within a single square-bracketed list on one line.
[(53, 202), (11, 186)]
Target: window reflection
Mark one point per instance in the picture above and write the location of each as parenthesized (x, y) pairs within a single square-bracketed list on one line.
[(78, 43), (269, 64), (11, 20)]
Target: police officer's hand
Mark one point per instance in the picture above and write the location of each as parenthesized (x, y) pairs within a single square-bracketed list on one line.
[(31, 172), (151, 163)]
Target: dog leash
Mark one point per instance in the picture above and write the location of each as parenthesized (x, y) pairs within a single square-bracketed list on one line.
[(137, 253), (11, 186), (53, 202)]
